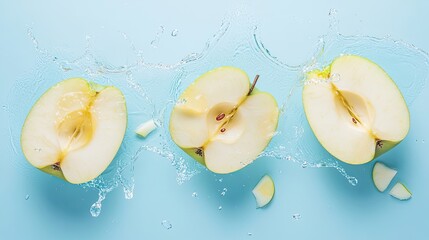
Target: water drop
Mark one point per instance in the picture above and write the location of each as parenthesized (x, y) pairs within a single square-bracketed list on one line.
[(27, 196), (219, 208), (353, 181), (304, 164), (174, 32), (249, 234), (296, 216), (95, 209), (194, 194), (38, 149), (224, 191), (129, 194), (220, 179), (166, 224)]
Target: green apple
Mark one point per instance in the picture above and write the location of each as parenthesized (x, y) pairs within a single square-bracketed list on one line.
[(382, 176), (222, 121), (75, 130), (400, 192), (355, 109), (264, 191)]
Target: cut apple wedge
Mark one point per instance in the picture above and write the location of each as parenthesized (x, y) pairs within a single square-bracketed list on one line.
[(382, 176), (222, 122), (400, 192), (74, 130), (355, 109), (264, 191), (145, 128)]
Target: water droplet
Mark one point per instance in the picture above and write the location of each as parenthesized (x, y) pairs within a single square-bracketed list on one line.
[(296, 216), (194, 194), (174, 32), (220, 179), (38, 149), (95, 209), (249, 234), (219, 208), (166, 224), (27, 196), (129, 193), (224, 191), (353, 181), (423, 141), (304, 164)]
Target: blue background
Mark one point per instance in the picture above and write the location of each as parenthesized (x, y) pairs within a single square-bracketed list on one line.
[(329, 206)]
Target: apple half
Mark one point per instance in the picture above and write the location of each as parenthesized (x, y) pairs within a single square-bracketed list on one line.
[(355, 109), (222, 121), (75, 129)]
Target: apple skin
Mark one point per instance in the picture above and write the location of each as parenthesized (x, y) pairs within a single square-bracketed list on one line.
[(325, 74), (200, 159), (94, 87)]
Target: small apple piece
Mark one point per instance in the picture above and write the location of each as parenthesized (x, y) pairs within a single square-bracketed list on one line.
[(222, 122), (400, 192), (75, 129), (382, 176), (355, 109), (145, 128), (264, 191)]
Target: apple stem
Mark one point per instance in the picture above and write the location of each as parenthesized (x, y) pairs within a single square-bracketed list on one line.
[(253, 84)]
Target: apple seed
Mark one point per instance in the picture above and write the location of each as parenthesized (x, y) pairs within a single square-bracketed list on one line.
[(220, 116)]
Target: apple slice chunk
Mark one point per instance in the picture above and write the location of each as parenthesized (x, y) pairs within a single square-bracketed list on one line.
[(145, 128), (74, 130), (400, 192), (264, 191), (355, 109), (382, 176), (222, 121)]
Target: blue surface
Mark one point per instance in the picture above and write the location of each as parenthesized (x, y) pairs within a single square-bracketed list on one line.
[(330, 207)]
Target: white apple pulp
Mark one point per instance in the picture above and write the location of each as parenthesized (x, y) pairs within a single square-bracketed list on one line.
[(382, 176), (400, 192), (264, 191), (219, 124), (74, 131), (355, 109)]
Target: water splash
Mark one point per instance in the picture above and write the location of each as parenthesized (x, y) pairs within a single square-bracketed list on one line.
[(154, 43), (166, 224), (156, 87)]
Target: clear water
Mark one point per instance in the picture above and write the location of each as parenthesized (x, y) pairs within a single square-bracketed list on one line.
[(152, 88)]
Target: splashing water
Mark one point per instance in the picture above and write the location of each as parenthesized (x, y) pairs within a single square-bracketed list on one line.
[(151, 90), (166, 224)]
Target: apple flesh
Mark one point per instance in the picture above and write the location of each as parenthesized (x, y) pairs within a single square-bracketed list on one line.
[(146, 128), (75, 129), (264, 191), (355, 109), (222, 122), (382, 176), (399, 191)]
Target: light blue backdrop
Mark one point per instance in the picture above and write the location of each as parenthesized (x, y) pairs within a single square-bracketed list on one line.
[(330, 208)]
